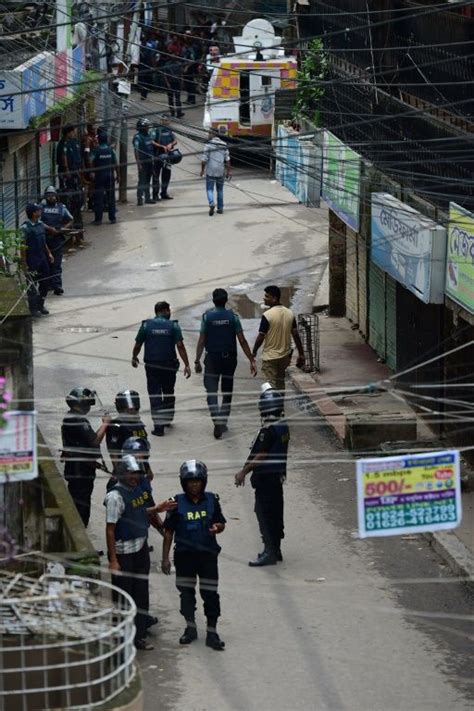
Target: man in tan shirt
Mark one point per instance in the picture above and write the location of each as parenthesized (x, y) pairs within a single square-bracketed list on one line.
[(277, 327)]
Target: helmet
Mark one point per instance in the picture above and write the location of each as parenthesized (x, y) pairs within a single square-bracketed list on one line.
[(81, 399), (127, 400), (135, 445), (270, 403), (31, 208), (143, 124), (173, 157), (127, 465), (193, 469), (51, 190)]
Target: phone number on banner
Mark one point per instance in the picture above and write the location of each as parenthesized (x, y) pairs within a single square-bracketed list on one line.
[(378, 518)]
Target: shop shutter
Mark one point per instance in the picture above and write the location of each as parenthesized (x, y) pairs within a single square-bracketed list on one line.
[(45, 169), (352, 305), (391, 321), (32, 172), (362, 257), (9, 210), (377, 310), (21, 159)]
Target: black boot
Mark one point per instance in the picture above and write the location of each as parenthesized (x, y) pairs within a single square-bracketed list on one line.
[(214, 641), (278, 554), (266, 558), (189, 634)]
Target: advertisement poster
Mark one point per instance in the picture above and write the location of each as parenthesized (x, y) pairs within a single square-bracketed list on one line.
[(460, 257), (18, 458), (11, 100), (408, 246), (408, 494), (341, 180), (292, 162)]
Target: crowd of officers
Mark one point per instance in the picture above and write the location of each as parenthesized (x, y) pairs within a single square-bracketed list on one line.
[(85, 173), (194, 516)]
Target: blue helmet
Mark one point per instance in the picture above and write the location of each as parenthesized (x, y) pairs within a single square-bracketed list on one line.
[(271, 404), (192, 469)]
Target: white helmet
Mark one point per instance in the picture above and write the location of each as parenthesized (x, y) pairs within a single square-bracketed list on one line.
[(51, 190)]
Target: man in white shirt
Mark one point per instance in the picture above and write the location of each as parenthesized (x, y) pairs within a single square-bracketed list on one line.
[(215, 166)]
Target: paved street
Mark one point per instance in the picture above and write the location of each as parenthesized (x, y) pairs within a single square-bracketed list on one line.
[(342, 623)]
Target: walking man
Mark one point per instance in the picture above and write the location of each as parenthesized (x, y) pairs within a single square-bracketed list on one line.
[(144, 151), (55, 217), (37, 259), (161, 336), (220, 330), (215, 165), (277, 326), (104, 165)]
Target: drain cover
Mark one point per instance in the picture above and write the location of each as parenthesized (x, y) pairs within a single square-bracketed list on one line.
[(82, 329)]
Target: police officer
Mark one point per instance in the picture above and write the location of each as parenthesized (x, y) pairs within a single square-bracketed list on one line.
[(69, 160), (267, 462), (161, 337), (220, 329), (138, 447), (56, 217), (36, 257), (128, 424), (105, 172), (164, 141), (194, 524), (81, 448), (144, 153), (130, 510)]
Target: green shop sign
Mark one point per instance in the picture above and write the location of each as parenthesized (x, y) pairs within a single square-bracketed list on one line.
[(460, 257), (341, 180)]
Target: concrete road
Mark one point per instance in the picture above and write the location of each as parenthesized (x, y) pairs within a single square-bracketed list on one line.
[(341, 623)]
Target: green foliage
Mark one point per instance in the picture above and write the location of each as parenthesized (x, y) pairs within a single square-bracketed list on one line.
[(309, 92), (80, 90), (10, 247)]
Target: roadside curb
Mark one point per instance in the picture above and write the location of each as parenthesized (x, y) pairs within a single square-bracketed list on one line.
[(445, 543), (454, 553)]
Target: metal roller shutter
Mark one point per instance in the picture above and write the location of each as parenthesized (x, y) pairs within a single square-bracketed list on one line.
[(21, 183), (377, 310), (45, 169), (391, 321), (362, 257), (9, 209), (32, 172), (352, 297)]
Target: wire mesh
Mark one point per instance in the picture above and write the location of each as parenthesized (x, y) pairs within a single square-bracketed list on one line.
[(66, 641), (308, 328)]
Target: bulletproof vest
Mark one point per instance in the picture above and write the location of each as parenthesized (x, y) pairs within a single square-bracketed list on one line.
[(35, 244), (103, 163), (133, 523), (159, 340), (220, 331), (275, 463), (145, 144), (73, 153), (194, 522), (163, 135), (122, 428), (75, 432), (52, 215)]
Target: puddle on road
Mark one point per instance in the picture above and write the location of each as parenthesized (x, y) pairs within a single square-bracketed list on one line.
[(247, 308)]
